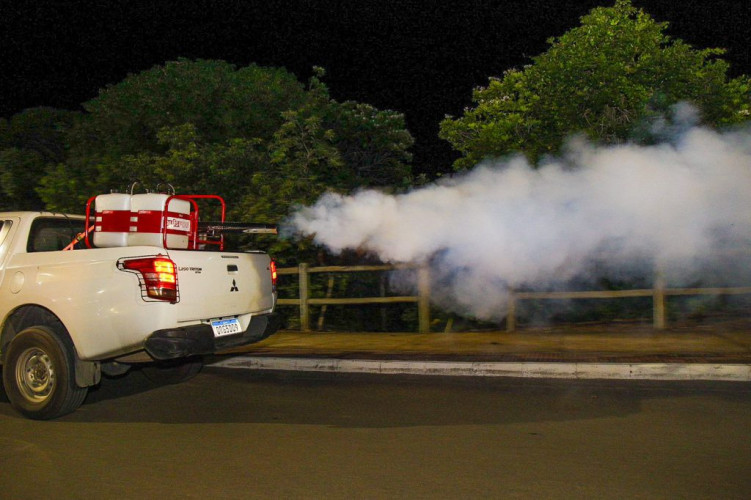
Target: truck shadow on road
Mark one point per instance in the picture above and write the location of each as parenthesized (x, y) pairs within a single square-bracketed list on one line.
[(110, 388), (362, 401)]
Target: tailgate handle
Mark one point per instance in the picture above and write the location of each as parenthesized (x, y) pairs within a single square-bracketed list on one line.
[(231, 268)]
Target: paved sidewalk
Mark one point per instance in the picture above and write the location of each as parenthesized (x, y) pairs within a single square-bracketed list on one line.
[(718, 351)]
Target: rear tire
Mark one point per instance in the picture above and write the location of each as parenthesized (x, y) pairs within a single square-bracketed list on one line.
[(174, 371), (39, 374)]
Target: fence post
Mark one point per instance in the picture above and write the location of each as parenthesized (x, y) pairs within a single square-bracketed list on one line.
[(304, 295), (511, 314), (658, 301), (423, 299)]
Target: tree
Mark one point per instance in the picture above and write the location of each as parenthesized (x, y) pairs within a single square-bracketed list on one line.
[(373, 143), (256, 136), (217, 99), (178, 121), (606, 79), (30, 142)]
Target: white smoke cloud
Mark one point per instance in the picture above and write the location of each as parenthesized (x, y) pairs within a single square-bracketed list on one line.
[(506, 225)]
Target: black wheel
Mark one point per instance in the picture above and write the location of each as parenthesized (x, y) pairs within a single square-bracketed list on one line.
[(39, 375), (173, 371)]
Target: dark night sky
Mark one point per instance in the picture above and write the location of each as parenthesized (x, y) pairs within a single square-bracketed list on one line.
[(419, 57)]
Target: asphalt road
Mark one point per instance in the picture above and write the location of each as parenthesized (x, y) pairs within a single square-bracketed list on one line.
[(238, 434)]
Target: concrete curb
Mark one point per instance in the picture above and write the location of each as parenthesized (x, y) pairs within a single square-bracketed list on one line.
[(620, 371)]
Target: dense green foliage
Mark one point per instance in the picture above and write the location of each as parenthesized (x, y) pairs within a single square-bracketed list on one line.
[(610, 79), (30, 141), (254, 135)]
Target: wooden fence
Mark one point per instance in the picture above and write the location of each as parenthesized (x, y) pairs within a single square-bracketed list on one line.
[(422, 299), (659, 292)]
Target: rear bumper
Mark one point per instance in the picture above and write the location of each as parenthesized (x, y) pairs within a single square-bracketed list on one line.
[(194, 340)]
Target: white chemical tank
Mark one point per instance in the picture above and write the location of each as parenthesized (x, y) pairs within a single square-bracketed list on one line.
[(112, 220)]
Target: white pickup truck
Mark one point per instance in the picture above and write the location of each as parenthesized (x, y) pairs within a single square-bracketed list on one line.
[(67, 316)]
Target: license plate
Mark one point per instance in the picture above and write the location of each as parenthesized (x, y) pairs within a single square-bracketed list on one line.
[(223, 327)]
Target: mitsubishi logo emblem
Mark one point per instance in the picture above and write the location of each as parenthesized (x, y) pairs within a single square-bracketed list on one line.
[(234, 287)]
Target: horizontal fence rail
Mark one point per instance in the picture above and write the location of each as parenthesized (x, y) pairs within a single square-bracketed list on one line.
[(658, 293)]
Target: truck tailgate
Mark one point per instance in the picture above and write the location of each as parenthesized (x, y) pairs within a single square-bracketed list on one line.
[(221, 284)]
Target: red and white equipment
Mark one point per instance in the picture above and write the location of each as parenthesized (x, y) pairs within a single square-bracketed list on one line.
[(159, 219)]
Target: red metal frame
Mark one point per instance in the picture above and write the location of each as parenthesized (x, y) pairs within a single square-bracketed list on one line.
[(193, 241), (88, 221)]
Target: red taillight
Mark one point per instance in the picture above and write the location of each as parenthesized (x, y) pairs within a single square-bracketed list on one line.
[(156, 275), (272, 268)]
